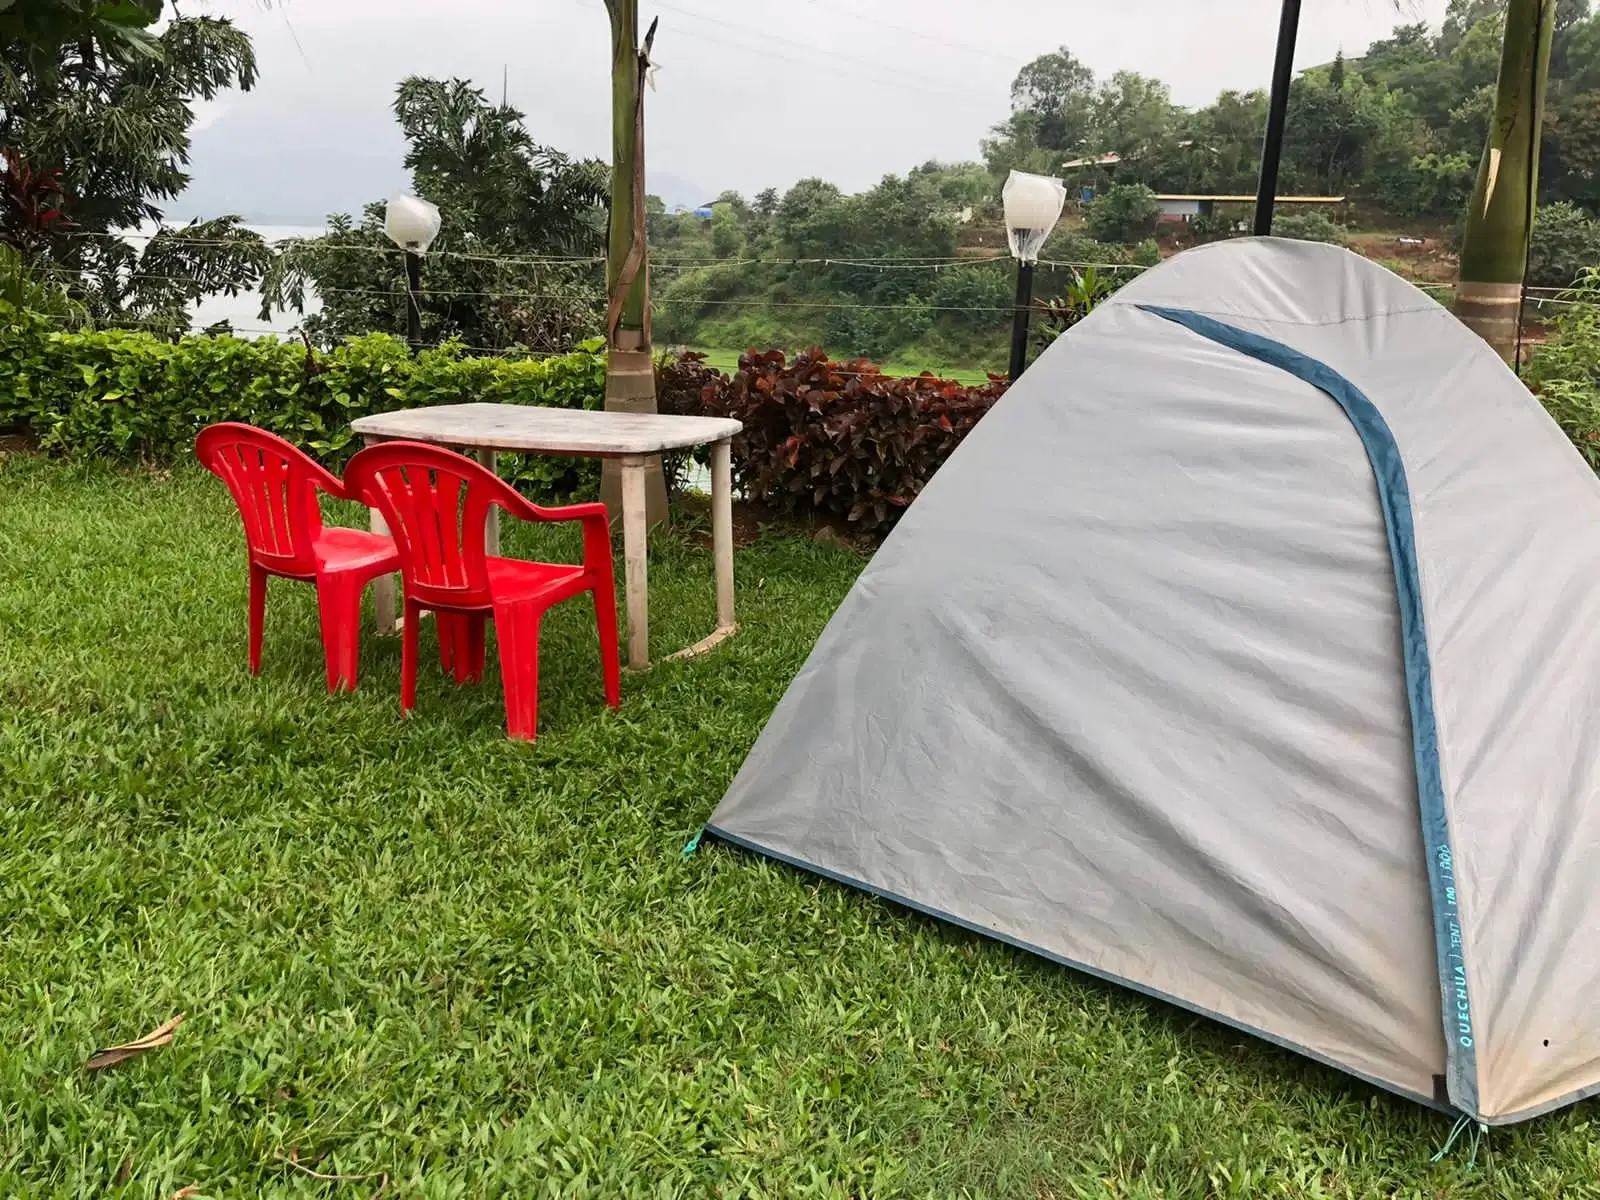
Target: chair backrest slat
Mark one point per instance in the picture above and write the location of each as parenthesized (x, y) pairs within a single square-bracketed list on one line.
[(274, 485), (435, 503)]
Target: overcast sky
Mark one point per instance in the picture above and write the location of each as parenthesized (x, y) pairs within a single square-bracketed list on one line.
[(752, 93)]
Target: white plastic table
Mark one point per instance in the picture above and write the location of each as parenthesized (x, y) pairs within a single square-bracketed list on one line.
[(631, 438)]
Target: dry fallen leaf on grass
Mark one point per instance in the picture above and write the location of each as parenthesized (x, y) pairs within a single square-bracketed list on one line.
[(185, 1193), (154, 1040), (293, 1159)]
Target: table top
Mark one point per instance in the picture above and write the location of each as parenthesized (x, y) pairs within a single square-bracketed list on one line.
[(539, 430)]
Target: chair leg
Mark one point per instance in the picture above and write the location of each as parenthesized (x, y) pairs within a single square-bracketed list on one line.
[(605, 615), (518, 630), (339, 607), (447, 625), (461, 645), (258, 615), (476, 624), (408, 657)]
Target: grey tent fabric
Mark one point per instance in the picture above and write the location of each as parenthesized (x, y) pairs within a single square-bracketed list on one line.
[(1246, 653)]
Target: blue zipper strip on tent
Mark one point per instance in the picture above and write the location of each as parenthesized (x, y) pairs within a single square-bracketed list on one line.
[(1394, 497), (940, 914)]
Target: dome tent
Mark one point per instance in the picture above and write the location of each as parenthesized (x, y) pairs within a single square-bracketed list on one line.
[(1248, 654)]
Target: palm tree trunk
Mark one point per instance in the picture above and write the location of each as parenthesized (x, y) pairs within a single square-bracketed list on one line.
[(630, 366), (1494, 252)]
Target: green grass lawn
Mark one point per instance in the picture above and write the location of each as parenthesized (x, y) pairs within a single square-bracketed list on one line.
[(727, 361), (415, 949)]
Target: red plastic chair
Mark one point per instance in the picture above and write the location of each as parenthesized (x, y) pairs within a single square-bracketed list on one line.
[(275, 486), (435, 502)]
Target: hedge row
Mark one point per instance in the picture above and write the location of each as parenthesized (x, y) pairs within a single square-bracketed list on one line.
[(839, 440), (128, 396)]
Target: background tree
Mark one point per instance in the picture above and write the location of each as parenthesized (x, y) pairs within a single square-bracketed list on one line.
[(510, 207), (725, 236), (1052, 115), (42, 27), (1402, 134), (110, 124), (1331, 133), (1125, 212), (1572, 147), (1133, 116)]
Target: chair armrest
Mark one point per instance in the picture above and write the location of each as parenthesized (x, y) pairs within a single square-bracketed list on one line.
[(567, 512), (596, 523), (328, 483)]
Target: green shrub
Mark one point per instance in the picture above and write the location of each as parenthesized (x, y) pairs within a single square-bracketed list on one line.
[(1147, 253), (876, 331), (972, 295), (128, 396), (1082, 295), (1308, 227), (1565, 371), (1078, 248), (1566, 244), (1427, 185), (1126, 212), (1212, 227)]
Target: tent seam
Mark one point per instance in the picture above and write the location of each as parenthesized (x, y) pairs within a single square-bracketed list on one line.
[(1238, 316), (1394, 495)]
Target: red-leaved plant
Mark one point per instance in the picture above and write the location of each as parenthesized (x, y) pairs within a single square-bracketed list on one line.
[(30, 205), (836, 439)]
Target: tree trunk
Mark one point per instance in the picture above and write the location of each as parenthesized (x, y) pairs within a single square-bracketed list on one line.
[(1494, 252), (630, 365)]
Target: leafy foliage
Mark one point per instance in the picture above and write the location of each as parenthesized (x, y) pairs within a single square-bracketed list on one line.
[(1565, 371), (1071, 244), (838, 440), (95, 137), (511, 206), (126, 395), (1059, 110), (1566, 245), (813, 282), (1083, 293), (1403, 124), (1308, 227), (41, 27), (1123, 213), (30, 207), (686, 386), (36, 291)]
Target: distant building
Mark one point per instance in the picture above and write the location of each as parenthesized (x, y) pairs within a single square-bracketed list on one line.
[(1186, 207)]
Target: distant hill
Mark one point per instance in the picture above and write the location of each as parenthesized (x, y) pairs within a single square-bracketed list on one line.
[(675, 191)]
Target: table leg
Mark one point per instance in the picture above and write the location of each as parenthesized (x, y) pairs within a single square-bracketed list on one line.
[(722, 548), (383, 590), (491, 523), (635, 562), (722, 531)]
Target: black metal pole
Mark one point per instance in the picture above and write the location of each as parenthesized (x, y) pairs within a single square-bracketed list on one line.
[(1019, 319), (1277, 111), (414, 300)]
